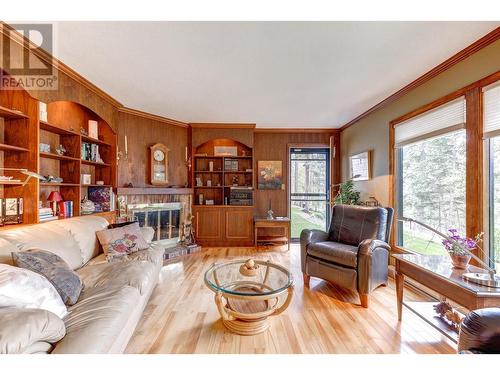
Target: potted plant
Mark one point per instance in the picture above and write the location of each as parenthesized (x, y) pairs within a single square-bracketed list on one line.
[(459, 247)]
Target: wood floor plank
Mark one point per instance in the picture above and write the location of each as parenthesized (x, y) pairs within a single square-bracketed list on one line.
[(181, 316)]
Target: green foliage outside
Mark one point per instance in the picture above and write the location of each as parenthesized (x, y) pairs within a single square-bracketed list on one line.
[(433, 189), (302, 221)]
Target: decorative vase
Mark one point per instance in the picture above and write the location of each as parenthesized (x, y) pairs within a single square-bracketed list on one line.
[(460, 261)]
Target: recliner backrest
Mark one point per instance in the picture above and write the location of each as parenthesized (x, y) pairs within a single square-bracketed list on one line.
[(353, 224)]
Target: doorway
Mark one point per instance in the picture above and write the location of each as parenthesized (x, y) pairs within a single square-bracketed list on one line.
[(309, 189)]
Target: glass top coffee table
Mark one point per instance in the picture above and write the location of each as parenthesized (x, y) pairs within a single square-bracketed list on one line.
[(248, 291)]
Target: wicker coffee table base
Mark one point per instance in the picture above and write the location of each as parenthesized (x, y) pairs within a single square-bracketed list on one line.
[(247, 315)]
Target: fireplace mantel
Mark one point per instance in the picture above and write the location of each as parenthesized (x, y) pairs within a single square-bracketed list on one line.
[(153, 191)]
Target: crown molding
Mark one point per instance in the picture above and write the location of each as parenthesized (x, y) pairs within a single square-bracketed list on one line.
[(210, 125), (43, 55), (297, 130), (479, 44), (150, 116)]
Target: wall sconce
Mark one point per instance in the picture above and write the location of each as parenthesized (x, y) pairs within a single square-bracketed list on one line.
[(121, 154)]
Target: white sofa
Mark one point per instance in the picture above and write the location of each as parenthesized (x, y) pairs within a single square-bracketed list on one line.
[(109, 307)]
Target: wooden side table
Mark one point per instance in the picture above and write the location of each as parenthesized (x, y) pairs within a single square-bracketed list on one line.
[(282, 238), (436, 273)]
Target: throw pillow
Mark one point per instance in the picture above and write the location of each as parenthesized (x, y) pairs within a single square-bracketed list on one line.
[(23, 288), (67, 283), (121, 241)]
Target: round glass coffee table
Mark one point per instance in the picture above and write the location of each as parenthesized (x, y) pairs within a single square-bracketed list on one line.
[(247, 292)]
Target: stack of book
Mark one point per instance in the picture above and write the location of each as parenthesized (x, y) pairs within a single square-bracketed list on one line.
[(46, 214), (66, 209), (90, 152)]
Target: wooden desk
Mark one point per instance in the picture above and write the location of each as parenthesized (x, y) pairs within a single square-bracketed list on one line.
[(437, 273), (283, 224)]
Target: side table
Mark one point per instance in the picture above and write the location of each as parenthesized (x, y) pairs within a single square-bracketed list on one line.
[(282, 223)]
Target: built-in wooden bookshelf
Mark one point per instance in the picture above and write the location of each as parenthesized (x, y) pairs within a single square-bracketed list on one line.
[(226, 222), (218, 173), (22, 131)]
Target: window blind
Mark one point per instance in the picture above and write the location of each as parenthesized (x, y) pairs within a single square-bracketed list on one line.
[(491, 110), (443, 119)]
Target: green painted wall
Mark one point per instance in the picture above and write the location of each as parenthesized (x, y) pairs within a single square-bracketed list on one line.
[(372, 132)]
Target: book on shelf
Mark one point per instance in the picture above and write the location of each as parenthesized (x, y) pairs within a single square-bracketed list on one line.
[(66, 208), (47, 218), (90, 152)]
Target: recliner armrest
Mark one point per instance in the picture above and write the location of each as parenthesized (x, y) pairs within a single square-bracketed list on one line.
[(366, 247), (307, 237)]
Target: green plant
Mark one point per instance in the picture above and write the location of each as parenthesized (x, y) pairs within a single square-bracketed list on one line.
[(347, 194)]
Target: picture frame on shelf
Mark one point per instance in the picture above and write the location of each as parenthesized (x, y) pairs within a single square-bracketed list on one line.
[(225, 151)]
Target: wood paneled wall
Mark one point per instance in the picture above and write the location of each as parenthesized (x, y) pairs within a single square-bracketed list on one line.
[(274, 146), (202, 133), (141, 133)]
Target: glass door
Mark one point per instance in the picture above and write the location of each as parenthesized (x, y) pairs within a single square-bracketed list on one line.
[(309, 189)]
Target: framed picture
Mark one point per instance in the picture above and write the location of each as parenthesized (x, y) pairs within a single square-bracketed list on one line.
[(225, 151), (360, 165), (270, 174)]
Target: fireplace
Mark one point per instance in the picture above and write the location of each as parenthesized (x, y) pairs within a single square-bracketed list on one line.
[(164, 218)]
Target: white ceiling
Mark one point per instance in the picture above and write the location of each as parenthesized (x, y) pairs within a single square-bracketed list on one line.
[(274, 74)]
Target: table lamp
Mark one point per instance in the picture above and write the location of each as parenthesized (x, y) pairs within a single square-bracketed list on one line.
[(54, 197)]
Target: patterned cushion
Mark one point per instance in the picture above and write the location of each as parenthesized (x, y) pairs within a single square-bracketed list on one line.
[(121, 241), (23, 288), (55, 269)]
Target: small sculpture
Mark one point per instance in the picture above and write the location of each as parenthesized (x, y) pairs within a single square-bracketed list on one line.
[(270, 212), (187, 233), (87, 206), (50, 178), (249, 268), (60, 150), (449, 314)]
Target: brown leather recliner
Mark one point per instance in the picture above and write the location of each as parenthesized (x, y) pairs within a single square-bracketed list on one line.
[(354, 254), (480, 332)]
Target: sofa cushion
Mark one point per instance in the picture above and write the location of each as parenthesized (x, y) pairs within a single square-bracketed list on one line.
[(24, 288), (353, 224), (95, 322), (6, 250), (118, 242), (66, 282), (83, 229), (141, 275), (27, 331), (335, 252), (154, 255), (46, 236)]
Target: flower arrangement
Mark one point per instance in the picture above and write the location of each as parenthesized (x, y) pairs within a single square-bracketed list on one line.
[(455, 244)]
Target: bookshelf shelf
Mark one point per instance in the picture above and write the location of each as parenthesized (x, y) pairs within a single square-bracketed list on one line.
[(88, 139), (58, 184), (10, 183), (44, 125), (94, 163), (49, 155), (6, 147), (11, 114)]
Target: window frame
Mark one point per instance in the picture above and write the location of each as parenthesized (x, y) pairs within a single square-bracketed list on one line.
[(476, 220)]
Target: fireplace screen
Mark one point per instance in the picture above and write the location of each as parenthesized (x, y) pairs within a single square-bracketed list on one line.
[(164, 218)]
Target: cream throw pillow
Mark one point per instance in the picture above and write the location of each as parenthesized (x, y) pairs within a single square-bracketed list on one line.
[(118, 242), (23, 288)]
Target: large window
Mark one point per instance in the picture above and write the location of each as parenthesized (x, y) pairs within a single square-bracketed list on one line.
[(430, 159), (491, 108)]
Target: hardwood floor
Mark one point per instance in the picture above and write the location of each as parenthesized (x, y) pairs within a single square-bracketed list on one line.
[(181, 316)]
